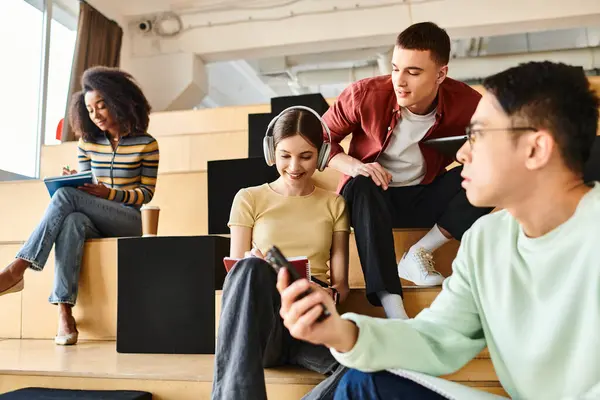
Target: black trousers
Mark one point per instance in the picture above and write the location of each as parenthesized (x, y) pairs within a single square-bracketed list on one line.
[(252, 337), (374, 212)]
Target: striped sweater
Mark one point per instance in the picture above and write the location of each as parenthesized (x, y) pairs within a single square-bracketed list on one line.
[(130, 170)]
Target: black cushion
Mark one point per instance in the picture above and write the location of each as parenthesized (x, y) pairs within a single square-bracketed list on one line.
[(65, 394), (225, 179), (166, 293), (591, 171), (316, 101), (257, 128)]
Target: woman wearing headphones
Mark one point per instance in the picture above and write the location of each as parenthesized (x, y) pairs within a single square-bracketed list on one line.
[(300, 219)]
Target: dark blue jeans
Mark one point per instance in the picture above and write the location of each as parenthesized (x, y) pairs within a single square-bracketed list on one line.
[(358, 385)]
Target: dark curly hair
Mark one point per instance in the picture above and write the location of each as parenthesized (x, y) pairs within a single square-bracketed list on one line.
[(552, 96), (122, 96)]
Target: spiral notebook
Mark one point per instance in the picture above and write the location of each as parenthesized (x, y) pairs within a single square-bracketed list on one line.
[(75, 180), (301, 264)]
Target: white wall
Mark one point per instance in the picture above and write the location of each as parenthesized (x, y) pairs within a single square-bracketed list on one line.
[(326, 25)]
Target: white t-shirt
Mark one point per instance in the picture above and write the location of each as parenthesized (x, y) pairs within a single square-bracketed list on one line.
[(402, 157)]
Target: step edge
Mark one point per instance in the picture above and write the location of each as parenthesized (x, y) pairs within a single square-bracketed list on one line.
[(307, 380)]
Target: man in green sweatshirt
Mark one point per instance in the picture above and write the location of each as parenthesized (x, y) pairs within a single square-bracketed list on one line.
[(526, 280)]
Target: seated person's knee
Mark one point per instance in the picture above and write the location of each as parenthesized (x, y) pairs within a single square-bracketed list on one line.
[(64, 193), (251, 268), (363, 182), (76, 219), (354, 381), (359, 184)]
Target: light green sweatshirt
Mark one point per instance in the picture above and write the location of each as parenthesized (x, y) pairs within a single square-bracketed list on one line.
[(535, 303)]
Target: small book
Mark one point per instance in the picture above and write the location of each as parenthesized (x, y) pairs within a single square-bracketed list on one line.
[(301, 264), (75, 180)]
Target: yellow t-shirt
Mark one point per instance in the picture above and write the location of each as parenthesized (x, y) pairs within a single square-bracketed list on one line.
[(298, 225)]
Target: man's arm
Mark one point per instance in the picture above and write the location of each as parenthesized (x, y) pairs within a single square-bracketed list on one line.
[(343, 118), (440, 340)]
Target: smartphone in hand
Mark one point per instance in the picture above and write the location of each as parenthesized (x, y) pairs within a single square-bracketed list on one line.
[(278, 261)]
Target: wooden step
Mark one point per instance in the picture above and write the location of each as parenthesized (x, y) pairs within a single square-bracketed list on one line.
[(187, 141), (97, 365), (207, 120), (415, 300), (403, 240), (22, 204), (182, 198), (188, 138), (29, 315), (175, 390), (184, 211), (178, 153), (10, 305)]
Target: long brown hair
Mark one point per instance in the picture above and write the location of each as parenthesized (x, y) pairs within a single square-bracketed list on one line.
[(298, 122)]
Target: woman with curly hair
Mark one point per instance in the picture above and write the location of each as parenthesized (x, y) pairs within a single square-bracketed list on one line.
[(111, 115)]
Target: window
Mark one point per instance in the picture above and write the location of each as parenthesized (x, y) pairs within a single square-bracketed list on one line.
[(21, 42), (22, 35), (63, 33)]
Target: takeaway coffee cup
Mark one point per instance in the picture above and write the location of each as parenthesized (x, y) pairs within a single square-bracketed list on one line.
[(150, 220)]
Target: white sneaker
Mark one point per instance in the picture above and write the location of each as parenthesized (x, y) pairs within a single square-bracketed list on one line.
[(419, 268)]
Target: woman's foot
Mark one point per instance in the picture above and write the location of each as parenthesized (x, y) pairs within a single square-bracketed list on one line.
[(67, 328), (12, 275)]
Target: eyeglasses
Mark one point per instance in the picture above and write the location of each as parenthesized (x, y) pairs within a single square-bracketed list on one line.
[(470, 132)]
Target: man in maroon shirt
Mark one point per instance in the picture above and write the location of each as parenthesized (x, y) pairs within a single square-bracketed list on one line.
[(392, 179)]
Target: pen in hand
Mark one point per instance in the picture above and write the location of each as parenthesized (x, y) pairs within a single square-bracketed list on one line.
[(67, 170), (254, 251)]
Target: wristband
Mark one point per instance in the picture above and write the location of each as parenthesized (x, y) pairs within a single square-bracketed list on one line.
[(336, 295)]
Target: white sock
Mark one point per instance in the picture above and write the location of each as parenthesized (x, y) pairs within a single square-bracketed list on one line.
[(392, 305), (433, 240)]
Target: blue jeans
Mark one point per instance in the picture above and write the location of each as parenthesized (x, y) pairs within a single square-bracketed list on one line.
[(252, 337), (72, 217), (383, 385)]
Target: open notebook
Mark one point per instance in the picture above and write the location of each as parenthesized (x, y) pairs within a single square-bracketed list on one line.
[(301, 264), (75, 180)]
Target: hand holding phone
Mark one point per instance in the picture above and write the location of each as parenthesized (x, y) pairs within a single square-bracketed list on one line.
[(302, 312), (278, 261)]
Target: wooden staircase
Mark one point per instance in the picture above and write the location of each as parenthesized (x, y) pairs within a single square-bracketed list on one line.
[(187, 139), (96, 365)]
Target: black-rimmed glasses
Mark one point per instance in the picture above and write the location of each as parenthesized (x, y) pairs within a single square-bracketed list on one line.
[(471, 132)]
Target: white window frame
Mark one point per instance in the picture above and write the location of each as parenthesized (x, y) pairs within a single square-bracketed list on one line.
[(47, 7)]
